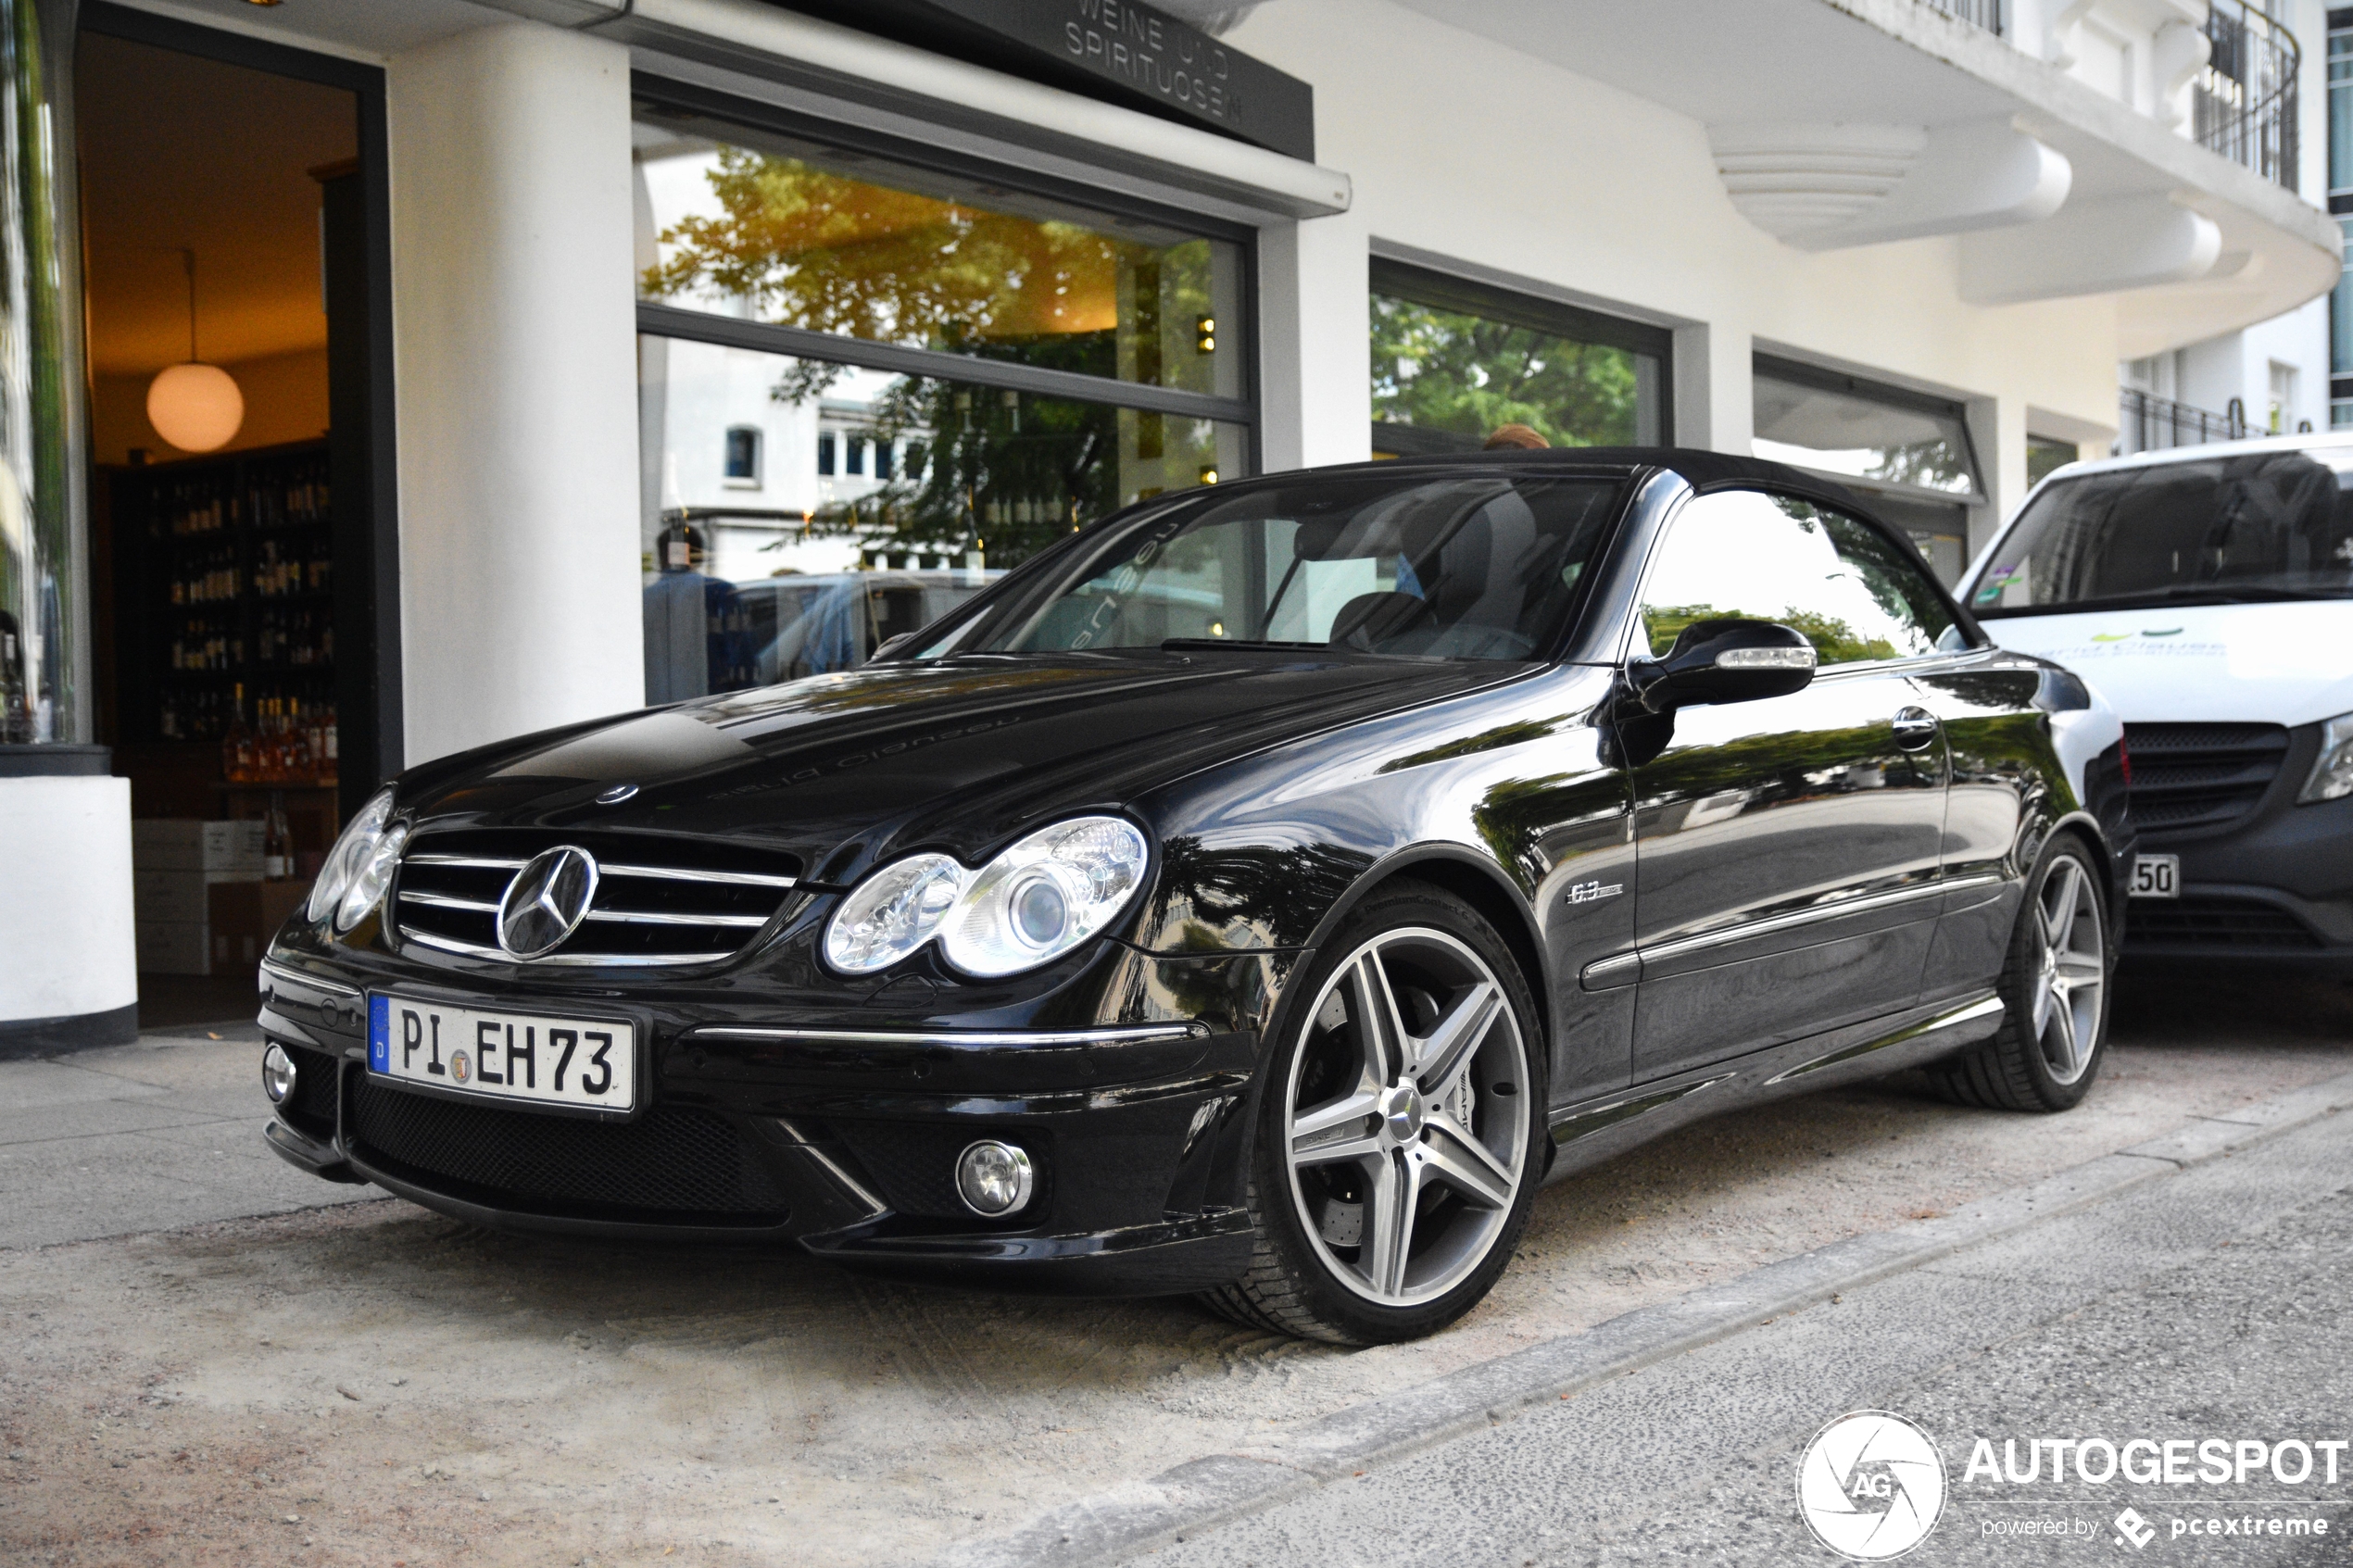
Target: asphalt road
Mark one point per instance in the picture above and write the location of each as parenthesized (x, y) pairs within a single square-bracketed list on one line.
[(2210, 1305), (211, 1357)]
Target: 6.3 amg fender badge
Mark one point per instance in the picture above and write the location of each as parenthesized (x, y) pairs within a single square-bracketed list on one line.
[(1592, 892), (546, 901)]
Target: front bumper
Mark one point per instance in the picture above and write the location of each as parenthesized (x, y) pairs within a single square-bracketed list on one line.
[(2273, 888), (836, 1133)]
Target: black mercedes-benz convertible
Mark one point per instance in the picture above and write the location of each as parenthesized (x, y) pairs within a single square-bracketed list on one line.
[(1261, 893)]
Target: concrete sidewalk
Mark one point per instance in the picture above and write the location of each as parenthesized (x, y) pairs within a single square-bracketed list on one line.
[(147, 1136)]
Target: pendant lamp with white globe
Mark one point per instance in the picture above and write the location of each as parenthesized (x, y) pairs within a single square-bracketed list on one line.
[(194, 405)]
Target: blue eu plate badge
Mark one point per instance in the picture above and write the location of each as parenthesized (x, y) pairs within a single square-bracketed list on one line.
[(380, 1034)]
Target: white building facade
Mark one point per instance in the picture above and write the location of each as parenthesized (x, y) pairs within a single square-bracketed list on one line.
[(704, 264)]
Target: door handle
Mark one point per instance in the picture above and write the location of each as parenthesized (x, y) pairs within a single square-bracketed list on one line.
[(1915, 729)]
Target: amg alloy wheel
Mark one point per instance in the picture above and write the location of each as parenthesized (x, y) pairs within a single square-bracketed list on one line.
[(1400, 1132), (2055, 994)]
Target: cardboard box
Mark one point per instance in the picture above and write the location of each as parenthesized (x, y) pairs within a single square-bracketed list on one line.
[(179, 896), (244, 916), (174, 947), (186, 844)]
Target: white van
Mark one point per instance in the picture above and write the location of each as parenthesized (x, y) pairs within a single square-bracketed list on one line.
[(2208, 592)]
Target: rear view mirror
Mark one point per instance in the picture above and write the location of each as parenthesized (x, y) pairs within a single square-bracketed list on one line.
[(1723, 660)]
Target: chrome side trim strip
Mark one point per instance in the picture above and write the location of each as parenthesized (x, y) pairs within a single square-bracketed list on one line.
[(647, 917), (573, 961), (1584, 1124), (443, 901), (1617, 970), (1984, 1009), (1814, 916), (683, 873), (470, 863), (296, 977), (1129, 1035)]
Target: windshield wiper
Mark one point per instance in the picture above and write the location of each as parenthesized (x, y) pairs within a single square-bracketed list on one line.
[(1180, 644)]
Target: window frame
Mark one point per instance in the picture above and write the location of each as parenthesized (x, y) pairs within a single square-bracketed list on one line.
[(674, 321), (1634, 632), (1439, 290)]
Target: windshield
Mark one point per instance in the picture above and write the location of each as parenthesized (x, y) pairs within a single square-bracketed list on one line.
[(2252, 529), (1469, 566)]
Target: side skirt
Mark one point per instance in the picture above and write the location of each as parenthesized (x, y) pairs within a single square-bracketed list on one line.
[(1586, 1134)]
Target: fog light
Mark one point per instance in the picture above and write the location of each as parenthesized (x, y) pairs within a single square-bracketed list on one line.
[(277, 1074), (994, 1179)]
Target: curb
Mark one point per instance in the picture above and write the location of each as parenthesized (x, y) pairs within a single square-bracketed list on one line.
[(1216, 1487)]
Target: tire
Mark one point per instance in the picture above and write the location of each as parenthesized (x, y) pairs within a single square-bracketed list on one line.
[(1393, 1168), (2054, 993)]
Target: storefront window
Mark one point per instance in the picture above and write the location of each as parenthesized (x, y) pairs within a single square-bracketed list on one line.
[(1454, 362), (1908, 453), (1842, 426), (40, 639), (867, 386), (2045, 454), (834, 561), (751, 224)]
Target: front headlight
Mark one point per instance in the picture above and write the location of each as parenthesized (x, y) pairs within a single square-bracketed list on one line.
[(2332, 771), (374, 876), (350, 855), (892, 913), (1030, 905)]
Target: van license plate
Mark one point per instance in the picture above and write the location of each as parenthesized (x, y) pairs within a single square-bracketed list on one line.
[(521, 1057), (2157, 876)]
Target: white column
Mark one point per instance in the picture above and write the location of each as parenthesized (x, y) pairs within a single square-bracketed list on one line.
[(1716, 388), (1997, 426), (513, 312), (68, 957), (1315, 331)]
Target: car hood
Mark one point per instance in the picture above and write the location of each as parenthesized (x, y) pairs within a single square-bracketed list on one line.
[(2266, 664), (846, 769)]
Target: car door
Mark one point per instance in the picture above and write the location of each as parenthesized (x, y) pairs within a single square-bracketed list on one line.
[(1787, 848)]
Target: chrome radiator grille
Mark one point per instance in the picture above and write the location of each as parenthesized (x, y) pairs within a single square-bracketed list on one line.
[(658, 900)]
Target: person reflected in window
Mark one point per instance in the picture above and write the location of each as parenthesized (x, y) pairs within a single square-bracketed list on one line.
[(690, 623), (1515, 438)]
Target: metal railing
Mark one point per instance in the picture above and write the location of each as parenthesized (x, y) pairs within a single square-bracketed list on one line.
[(2243, 103), (1986, 14), (2147, 423)]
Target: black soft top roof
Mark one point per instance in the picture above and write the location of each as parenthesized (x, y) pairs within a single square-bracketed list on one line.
[(1700, 468)]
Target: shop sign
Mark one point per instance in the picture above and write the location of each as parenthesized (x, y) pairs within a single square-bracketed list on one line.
[(1142, 56)]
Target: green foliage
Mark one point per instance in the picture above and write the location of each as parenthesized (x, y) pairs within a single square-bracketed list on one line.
[(832, 253), (983, 467), (1441, 370)]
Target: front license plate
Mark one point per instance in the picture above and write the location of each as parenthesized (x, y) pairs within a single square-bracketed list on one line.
[(2157, 876), (530, 1058)]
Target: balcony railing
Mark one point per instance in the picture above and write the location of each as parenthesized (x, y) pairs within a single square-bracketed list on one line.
[(1986, 14), (2244, 99), (2147, 423)]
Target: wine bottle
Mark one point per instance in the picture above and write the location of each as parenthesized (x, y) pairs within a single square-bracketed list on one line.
[(277, 842)]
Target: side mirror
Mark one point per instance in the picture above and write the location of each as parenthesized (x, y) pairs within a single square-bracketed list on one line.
[(1726, 660)]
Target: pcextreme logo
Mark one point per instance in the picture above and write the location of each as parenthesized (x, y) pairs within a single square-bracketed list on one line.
[(1870, 1486)]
